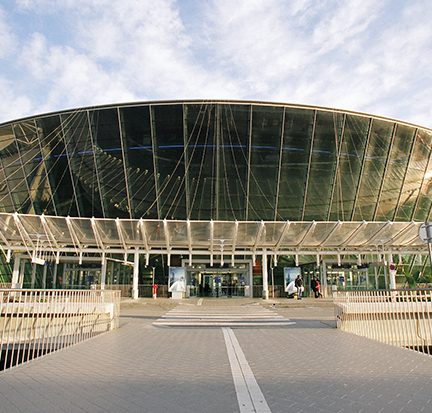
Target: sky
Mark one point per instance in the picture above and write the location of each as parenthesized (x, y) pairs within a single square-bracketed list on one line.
[(367, 55)]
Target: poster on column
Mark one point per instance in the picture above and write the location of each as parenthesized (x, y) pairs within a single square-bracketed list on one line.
[(290, 274), (177, 280)]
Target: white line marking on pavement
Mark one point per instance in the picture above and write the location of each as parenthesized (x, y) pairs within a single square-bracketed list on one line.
[(221, 317), (249, 394), (200, 301), (175, 323), (225, 316)]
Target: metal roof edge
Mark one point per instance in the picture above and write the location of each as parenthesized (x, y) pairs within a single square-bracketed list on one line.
[(218, 101)]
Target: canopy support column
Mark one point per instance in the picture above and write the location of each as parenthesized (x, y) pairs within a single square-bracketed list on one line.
[(44, 275), (55, 274), (324, 278), (16, 272), (33, 276), (265, 293), (135, 276), (392, 272), (104, 271)]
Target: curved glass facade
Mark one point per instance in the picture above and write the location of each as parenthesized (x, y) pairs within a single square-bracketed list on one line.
[(216, 160)]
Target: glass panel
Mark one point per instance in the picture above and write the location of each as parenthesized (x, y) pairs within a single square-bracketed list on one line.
[(58, 194), (374, 165), (295, 159), (80, 156), (233, 161), (155, 232), (408, 232), (33, 226), (350, 161), (272, 233), (17, 159), (178, 233), (59, 229), (323, 161), (422, 211), (411, 236), (131, 232), (169, 152), (136, 131), (318, 233), (201, 153), (388, 233), (366, 232), (27, 137), (83, 230), (341, 234), (247, 233), (397, 165), (295, 234), (9, 228), (108, 232), (43, 198), (200, 232), (7, 150), (265, 151), (223, 232), (109, 161)]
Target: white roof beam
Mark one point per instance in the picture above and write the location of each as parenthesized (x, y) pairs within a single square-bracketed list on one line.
[(142, 229), (258, 236), (96, 234), (120, 232), (74, 238), (354, 233), (281, 238), (336, 226), (309, 230), (373, 237), (50, 236)]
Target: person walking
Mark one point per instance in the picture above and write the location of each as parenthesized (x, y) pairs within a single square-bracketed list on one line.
[(299, 286), (313, 285), (317, 289)]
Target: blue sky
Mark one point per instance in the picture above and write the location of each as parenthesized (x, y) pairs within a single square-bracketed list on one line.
[(368, 56)]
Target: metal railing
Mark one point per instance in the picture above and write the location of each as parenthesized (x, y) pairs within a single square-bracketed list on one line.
[(398, 317), (36, 322)]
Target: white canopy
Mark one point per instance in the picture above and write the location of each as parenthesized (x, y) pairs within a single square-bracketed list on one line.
[(37, 234)]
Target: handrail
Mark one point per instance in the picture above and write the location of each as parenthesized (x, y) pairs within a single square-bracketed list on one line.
[(398, 317), (36, 322)]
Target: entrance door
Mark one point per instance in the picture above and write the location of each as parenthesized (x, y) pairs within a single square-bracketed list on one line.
[(204, 280), (219, 285)]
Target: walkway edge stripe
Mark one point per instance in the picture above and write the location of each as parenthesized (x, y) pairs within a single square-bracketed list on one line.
[(249, 394)]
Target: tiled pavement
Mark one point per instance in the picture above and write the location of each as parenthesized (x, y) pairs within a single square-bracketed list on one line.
[(304, 367)]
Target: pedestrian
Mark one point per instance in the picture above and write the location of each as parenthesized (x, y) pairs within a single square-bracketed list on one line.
[(299, 286), (317, 289), (313, 285)]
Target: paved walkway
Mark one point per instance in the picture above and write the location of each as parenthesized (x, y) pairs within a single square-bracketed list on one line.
[(305, 365)]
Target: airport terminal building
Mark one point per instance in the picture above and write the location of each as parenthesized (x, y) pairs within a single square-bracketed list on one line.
[(230, 197)]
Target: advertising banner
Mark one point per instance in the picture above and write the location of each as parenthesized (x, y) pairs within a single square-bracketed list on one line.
[(177, 280), (290, 274)]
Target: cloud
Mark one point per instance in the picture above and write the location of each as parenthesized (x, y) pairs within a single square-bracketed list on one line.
[(360, 55), (7, 39), (72, 78), (12, 104)]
